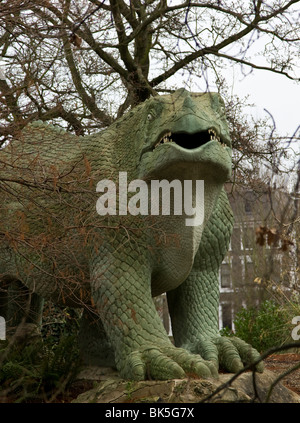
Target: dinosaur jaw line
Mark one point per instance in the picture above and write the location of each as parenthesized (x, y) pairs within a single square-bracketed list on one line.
[(190, 141)]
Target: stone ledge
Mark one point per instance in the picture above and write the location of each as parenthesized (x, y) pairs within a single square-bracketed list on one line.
[(109, 388)]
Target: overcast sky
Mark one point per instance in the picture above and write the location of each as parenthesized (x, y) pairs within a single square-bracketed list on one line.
[(276, 93)]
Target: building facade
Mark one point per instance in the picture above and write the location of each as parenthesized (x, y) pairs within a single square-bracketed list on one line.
[(260, 260)]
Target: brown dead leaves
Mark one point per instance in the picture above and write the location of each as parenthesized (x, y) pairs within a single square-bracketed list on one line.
[(267, 236)]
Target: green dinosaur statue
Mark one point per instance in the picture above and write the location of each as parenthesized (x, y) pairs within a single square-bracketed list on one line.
[(56, 243)]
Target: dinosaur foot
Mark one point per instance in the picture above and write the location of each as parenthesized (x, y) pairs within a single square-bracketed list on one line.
[(229, 353), (165, 362)]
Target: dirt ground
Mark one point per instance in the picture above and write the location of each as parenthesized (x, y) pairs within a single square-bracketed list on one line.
[(280, 363)]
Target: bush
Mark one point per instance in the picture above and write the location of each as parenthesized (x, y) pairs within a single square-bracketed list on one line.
[(37, 372), (264, 328)]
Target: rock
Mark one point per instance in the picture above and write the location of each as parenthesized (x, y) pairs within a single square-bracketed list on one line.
[(109, 388)]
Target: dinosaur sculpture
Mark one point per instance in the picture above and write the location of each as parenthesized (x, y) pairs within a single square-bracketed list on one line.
[(55, 243)]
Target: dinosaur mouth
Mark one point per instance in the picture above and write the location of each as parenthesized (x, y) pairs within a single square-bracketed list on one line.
[(189, 141)]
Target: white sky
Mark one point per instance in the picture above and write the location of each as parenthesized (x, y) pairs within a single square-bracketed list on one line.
[(276, 93)]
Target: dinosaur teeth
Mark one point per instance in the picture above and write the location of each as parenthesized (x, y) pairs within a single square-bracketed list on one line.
[(213, 135), (165, 139), (189, 141)]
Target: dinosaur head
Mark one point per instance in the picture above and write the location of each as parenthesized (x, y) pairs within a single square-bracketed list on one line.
[(185, 132)]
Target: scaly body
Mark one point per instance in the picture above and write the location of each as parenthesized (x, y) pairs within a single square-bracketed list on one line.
[(56, 244)]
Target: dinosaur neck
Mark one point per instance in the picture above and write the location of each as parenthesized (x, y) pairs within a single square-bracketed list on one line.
[(174, 244)]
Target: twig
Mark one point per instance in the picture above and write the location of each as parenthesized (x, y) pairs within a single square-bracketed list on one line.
[(251, 366)]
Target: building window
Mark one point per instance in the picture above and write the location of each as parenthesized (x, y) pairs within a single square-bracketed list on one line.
[(236, 239), (226, 315), (249, 272), (248, 206), (225, 275), (248, 238), (275, 269)]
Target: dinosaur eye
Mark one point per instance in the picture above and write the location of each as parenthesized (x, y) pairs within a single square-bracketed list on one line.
[(150, 117)]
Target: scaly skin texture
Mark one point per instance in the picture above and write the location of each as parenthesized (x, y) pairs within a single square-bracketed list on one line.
[(55, 243)]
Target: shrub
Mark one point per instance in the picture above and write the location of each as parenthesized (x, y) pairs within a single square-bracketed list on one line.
[(37, 372), (265, 327)]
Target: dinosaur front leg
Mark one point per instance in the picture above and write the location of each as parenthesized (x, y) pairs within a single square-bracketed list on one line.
[(194, 305), (194, 312), (121, 290)]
